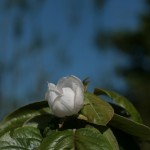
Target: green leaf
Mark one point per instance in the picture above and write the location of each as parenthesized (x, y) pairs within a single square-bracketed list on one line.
[(131, 127), (122, 101), (18, 117), (43, 121), (84, 138), (108, 134), (96, 110), (23, 138), (126, 141)]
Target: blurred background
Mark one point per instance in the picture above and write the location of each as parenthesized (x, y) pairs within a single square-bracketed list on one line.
[(105, 40)]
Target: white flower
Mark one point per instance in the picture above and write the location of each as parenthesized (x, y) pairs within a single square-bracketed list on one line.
[(65, 98)]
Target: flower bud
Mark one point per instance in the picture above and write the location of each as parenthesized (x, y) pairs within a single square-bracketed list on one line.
[(65, 98)]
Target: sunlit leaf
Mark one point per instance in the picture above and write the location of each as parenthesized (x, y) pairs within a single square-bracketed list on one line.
[(80, 139), (23, 138), (122, 101), (131, 127), (18, 117), (108, 134), (96, 110)]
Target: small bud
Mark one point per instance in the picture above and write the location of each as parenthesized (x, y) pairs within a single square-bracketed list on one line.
[(65, 98)]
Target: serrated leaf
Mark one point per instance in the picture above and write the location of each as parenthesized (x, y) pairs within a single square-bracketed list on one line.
[(96, 110), (131, 127), (84, 138), (108, 134), (27, 138), (18, 117), (122, 101)]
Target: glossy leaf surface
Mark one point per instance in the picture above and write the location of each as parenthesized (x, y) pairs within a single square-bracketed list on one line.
[(122, 101), (96, 110), (131, 127), (84, 138), (23, 138), (18, 117)]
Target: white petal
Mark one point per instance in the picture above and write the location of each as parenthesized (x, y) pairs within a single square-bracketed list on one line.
[(60, 109), (51, 86), (78, 100), (65, 98), (70, 81), (52, 95), (68, 98), (64, 105)]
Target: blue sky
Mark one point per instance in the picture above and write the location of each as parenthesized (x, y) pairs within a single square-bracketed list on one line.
[(75, 42), (85, 59)]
